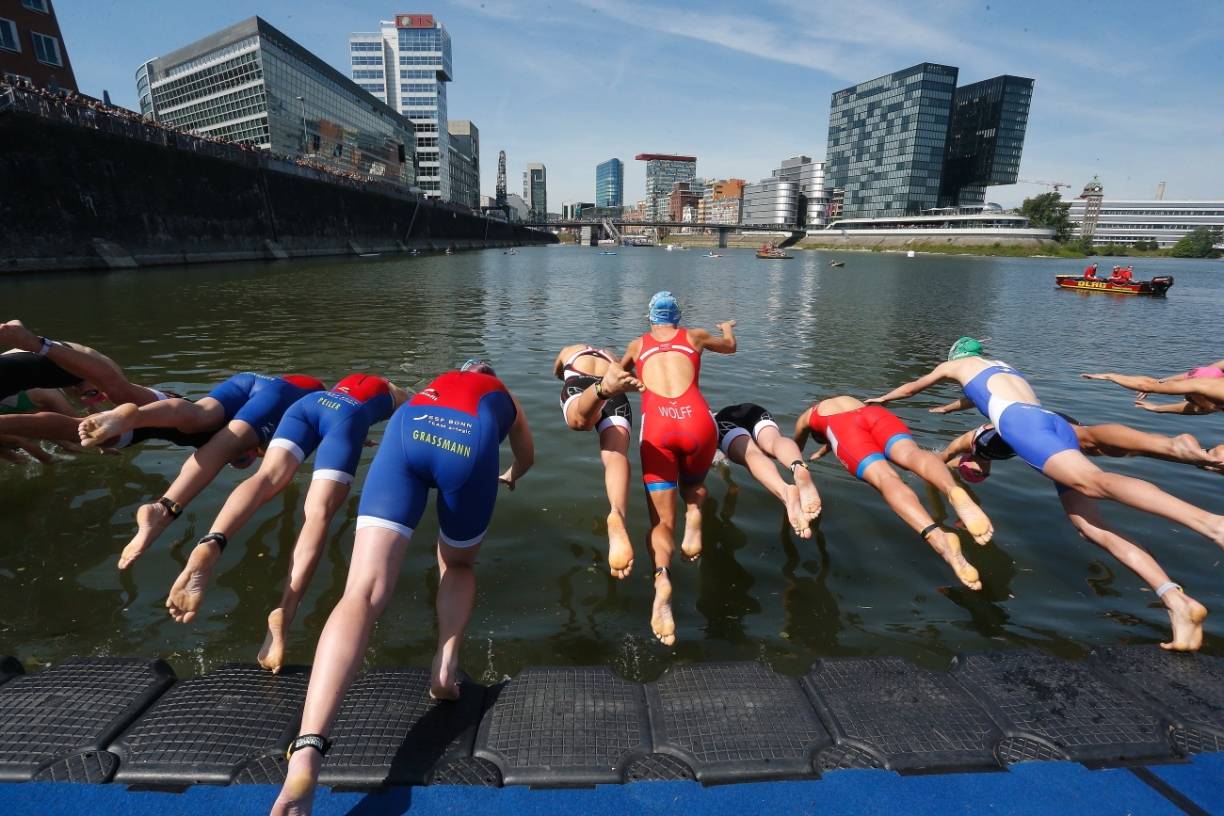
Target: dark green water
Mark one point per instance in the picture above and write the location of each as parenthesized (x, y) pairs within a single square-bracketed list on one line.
[(863, 585)]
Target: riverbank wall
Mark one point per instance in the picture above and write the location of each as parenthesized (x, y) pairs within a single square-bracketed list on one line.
[(80, 189), (964, 244)]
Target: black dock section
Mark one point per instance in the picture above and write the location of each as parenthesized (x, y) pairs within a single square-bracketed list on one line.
[(10, 667), (127, 721)]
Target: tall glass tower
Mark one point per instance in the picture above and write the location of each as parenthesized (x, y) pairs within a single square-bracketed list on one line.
[(663, 170), (407, 64), (610, 184), (535, 191), (985, 139), (886, 141)]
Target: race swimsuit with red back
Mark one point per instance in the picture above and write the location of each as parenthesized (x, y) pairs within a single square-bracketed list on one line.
[(679, 436)]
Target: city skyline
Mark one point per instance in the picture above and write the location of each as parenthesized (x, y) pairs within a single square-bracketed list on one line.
[(601, 79)]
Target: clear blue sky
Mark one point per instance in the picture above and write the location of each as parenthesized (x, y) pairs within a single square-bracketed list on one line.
[(1128, 90)]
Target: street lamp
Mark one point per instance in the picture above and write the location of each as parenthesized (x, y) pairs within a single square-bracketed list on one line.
[(302, 101)]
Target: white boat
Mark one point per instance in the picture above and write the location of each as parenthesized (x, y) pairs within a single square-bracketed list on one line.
[(713, 255), (910, 254)]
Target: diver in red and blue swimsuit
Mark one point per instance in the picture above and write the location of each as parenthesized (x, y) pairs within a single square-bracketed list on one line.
[(1048, 443), (678, 436), (445, 438)]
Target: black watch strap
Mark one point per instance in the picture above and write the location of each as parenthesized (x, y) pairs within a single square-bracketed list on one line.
[(316, 741)]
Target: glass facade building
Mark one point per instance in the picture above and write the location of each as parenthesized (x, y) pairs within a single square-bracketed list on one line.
[(985, 139), (812, 205), (610, 184), (464, 162), (407, 64), (772, 201), (252, 84), (535, 192), (662, 172), (887, 139)]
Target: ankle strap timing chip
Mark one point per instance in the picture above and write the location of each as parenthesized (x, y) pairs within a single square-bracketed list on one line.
[(316, 741), (220, 538), (172, 507)]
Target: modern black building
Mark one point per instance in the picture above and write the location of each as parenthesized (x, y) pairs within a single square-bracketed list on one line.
[(985, 139), (911, 141)]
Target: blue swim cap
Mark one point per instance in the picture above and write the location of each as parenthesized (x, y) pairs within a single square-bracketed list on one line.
[(479, 366), (664, 309)]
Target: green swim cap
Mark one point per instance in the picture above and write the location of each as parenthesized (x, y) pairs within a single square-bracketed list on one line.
[(965, 347)]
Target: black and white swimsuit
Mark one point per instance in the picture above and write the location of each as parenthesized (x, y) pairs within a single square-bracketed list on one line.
[(745, 419), (23, 370), (616, 409)]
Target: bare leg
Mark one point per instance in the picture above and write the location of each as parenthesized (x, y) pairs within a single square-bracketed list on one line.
[(322, 501), (662, 505), (932, 469), (456, 596), (1112, 439), (745, 452), (189, 417), (197, 472), (1074, 470), (694, 496), (614, 451), (906, 505), (784, 450), (377, 554), (41, 425), (1185, 613)]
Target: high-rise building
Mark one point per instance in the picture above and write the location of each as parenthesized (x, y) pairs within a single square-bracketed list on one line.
[(985, 139), (812, 202), (252, 84), (31, 45), (465, 162), (887, 138), (662, 172), (535, 191), (610, 184), (406, 64), (499, 196), (720, 201), (771, 201)]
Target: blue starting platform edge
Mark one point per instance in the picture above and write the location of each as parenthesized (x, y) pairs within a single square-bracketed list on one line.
[(1031, 789)]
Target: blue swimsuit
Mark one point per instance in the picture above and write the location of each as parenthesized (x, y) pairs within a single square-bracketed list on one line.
[(334, 423), (1035, 433), (258, 400)]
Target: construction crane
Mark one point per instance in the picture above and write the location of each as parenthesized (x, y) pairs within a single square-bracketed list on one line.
[(1053, 185)]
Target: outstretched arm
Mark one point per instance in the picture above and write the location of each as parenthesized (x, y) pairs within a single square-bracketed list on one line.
[(961, 404), (93, 366), (521, 445), (629, 359), (1211, 388), (1183, 407), (719, 345), (911, 388), (802, 430), (959, 446)]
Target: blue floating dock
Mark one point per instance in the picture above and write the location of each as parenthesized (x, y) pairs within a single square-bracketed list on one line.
[(1130, 730)]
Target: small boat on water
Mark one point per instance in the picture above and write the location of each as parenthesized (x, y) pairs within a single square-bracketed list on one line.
[(713, 255), (606, 252), (837, 263), (770, 252), (1156, 287)]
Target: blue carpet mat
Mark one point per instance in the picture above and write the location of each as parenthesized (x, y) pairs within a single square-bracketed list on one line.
[(1026, 790)]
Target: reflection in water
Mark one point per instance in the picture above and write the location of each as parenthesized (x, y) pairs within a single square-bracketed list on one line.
[(862, 585)]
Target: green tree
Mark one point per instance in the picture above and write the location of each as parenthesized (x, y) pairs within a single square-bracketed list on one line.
[(1050, 211), (1198, 243)]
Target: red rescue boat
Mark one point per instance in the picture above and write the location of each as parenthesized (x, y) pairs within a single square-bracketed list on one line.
[(1157, 286)]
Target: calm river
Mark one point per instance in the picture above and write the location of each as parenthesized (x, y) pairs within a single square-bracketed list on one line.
[(863, 585)]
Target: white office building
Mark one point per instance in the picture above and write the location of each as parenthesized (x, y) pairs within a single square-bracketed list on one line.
[(407, 64), (1165, 221)]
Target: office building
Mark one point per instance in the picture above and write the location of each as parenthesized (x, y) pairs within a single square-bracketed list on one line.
[(684, 194), (535, 191), (887, 139), (911, 141), (812, 201), (576, 210), (772, 201), (610, 184), (519, 211), (985, 139), (252, 84), (464, 144), (663, 170), (31, 45), (1165, 221), (720, 201), (406, 64)]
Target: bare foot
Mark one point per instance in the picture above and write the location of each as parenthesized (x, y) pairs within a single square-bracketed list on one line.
[(272, 653), (1188, 449), (691, 546), (617, 380), (1216, 455), (296, 796), (661, 620), (620, 548), (1187, 616), (151, 521), (14, 334), (97, 428), (808, 495), (947, 545), (188, 591), (975, 520), (794, 511), (444, 678)]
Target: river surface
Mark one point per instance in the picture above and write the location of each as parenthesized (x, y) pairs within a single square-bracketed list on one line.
[(863, 585)]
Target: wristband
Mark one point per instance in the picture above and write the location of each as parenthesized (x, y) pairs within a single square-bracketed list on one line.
[(46, 347)]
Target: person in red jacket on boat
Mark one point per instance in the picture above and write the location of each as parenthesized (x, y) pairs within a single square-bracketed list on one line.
[(1090, 271)]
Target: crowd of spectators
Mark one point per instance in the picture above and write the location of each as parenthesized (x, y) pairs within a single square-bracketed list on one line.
[(86, 111)]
